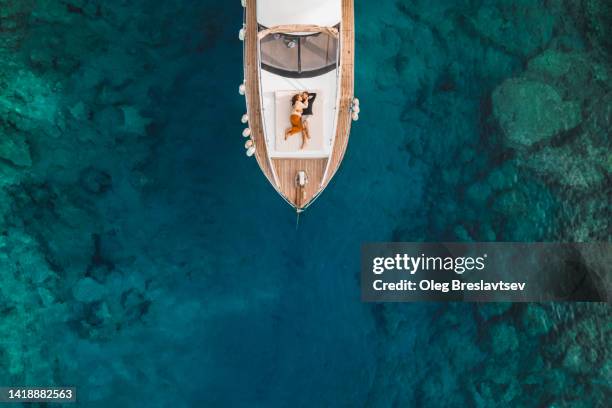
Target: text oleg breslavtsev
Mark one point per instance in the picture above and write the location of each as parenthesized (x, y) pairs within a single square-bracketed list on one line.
[(454, 285)]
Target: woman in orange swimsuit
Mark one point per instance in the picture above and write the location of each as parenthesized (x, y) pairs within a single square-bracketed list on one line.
[(299, 103)]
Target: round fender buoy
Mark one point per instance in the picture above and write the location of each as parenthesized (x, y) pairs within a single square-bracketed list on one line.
[(355, 116), (251, 151), (356, 102), (243, 2), (246, 132), (241, 34), (248, 144), (245, 118), (356, 109), (242, 89)]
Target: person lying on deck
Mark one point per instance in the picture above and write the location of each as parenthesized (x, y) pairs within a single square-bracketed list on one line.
[(299, 103), (310, 97)]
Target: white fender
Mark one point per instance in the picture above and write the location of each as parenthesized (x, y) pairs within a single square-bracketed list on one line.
[(241, 34), (248, 144), (245, 118), (242, 89), (243, 2), (356, 109), (251, 151), (355, 116), (355, 101), (246, 132)]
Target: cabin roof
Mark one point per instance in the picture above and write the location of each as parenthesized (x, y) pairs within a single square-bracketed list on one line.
[(326, 13)]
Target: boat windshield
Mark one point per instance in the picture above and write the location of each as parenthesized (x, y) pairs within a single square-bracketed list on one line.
[(299, 56)]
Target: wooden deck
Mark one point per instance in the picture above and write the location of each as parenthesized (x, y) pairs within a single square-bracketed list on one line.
[(282, 173), (251, 77), (347, 89), (287, 169)]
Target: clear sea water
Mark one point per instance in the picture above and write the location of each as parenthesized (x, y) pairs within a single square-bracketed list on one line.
[(212, 296)]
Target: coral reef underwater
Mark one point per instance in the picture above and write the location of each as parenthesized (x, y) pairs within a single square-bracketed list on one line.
[(144, 259)]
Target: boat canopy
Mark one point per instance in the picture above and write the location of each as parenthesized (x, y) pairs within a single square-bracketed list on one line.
[(299, 51)]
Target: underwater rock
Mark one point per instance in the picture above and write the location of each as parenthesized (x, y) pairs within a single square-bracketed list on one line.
[(489, 311), (566, 166), (536, 321), (100, 272), (134, 305), (518, 27), (531, 111), (46, 297), (503, 177), (553, 63), (461, 234), (564, 94), (503, 338), (574, 359), (102, 313), (15, 150), (579, 345), (478, 193), (109, 118), (88, 290), (599, 21), (28, 309), (577, 75), (509, 202), (79, 111), (487, 234), (386, 76), (95, 181), (134, 121), (28, 101)]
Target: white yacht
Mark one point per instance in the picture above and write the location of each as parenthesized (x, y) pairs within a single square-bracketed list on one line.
[(298, 48)]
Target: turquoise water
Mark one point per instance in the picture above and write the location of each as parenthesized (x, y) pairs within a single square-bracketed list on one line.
[(148, 262)]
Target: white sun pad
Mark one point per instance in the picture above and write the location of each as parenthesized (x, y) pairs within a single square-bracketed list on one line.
[(325, 106), (292, 145)]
